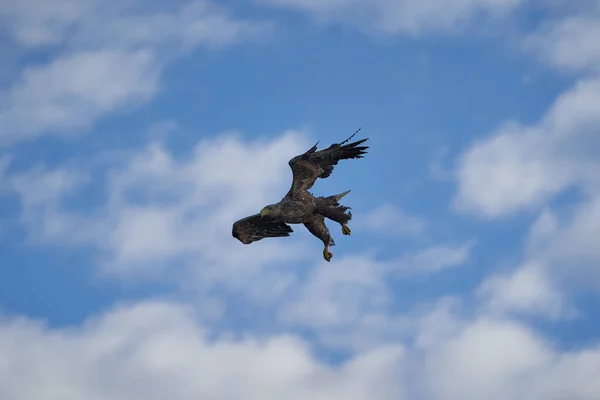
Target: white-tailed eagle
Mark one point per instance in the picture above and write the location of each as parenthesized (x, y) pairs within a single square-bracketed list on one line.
[(299, 206)]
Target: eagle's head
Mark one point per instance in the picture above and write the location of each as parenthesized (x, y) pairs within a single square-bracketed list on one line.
[(271, 210)]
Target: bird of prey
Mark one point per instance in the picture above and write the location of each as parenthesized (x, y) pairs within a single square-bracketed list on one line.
[(299, 206)]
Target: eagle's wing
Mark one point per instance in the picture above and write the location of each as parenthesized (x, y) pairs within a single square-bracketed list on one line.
[(254, 228), (313, 164)]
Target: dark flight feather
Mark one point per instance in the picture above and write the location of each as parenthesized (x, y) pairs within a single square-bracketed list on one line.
[(255, 228), (313, 164)]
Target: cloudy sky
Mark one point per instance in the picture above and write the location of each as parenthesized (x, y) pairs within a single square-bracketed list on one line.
[(133, 134)]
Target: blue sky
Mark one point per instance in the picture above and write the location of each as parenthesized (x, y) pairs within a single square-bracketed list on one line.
[(132, 136)]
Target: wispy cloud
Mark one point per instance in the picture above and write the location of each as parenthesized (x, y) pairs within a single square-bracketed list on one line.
[(521, 167), (390, 17), (435, 259), (171, 216), (160, 209), (73, 91), (349, 303), (104, 58), (526, 290), (163, 214), (157, 350), (569, 43), (389, 220)]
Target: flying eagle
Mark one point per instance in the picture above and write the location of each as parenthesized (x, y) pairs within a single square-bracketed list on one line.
[(299, 206)]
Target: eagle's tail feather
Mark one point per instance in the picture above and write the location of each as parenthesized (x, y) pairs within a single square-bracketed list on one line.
[(335, 212), (332, 201), (338, 197)]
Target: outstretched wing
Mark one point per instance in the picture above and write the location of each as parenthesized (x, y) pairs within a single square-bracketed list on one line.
[(313, 164), (254, 228)]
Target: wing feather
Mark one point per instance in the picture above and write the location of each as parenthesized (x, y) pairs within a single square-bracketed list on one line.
[(254, 228), (313, 164)]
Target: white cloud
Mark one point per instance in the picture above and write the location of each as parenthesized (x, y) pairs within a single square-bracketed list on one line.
[(567, 247), (526, 167), (35, 23), (105, 59), (157, 350), (521, 167), (493, 356), (435, 259), (436, 321), (499, 359), (42, 193), (561, 257), (388, 220), (569, 43), (346, 301), (160, 208), (389, 17), (487, 359), (72, 92), (156, 213), (163, 211), (526, 290), (349, 302), (170, 218)]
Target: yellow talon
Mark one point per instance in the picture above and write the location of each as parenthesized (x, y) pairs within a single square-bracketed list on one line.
[(327, 254), (346, 230)]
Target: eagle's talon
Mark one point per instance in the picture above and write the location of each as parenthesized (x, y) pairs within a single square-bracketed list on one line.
[(346, 230), (327, 254)]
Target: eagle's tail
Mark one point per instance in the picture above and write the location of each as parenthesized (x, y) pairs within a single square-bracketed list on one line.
[(331, 208), (338, 197), (338, 213), (333, 201)]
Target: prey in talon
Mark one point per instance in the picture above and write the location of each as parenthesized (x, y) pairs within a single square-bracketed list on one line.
[(299, 206)]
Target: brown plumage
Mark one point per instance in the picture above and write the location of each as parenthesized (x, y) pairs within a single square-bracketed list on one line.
[(299, 206)]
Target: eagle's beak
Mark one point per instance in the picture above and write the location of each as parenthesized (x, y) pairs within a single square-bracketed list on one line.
[(264, 212)]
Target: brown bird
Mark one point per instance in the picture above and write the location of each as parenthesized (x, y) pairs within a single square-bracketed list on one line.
[(299, 206)]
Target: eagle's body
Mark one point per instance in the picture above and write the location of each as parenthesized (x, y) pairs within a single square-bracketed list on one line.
[(299, 206)]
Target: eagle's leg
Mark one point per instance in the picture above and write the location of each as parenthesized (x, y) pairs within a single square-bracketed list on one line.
[(316, 226), (345, 229), (327, 254)]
